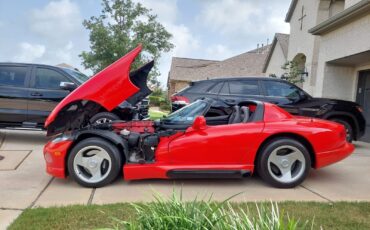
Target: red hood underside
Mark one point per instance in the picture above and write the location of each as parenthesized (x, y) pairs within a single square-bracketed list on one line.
[(108, 88)]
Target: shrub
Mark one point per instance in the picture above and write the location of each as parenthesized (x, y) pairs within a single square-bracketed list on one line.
[(176, 214)]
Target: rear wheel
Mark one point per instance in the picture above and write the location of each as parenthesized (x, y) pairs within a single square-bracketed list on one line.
[(347, 126), (284, 163), (94, 162), (104, 117)]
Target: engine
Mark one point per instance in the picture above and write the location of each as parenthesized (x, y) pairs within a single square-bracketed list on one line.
[(141, 145)]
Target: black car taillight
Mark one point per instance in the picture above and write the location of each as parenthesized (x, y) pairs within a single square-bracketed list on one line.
[(180, 99)]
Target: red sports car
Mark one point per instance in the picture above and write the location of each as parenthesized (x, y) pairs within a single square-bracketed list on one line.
[(206, 139)]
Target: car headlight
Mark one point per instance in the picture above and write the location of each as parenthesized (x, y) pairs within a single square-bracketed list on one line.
[(63, 137)]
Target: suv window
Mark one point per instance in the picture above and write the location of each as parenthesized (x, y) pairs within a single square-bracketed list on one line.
[(281, 89), (200, 87), (215, 89), (48, 79), (244, 87), (13, 75)]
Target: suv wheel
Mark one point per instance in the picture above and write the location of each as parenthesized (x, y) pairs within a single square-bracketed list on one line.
[(284, 163), (347, 126), (104, 117)]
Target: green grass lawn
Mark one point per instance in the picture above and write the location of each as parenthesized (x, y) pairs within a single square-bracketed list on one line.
[(340, 215), (154, 115)]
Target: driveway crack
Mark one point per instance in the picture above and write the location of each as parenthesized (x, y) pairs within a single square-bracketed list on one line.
[(316, 193), (89, 202), (40, 194)]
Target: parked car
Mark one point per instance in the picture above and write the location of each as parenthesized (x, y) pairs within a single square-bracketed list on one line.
[(238, 140), (280, 92), (29, 92)]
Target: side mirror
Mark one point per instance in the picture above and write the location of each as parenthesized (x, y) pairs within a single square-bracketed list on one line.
[(67, 85), (199, 123)]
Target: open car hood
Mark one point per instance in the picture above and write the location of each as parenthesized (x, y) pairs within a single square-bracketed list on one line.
[(106, 89)]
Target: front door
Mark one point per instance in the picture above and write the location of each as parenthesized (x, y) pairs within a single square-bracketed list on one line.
[(363, 98), (45, 93), (216, 145)]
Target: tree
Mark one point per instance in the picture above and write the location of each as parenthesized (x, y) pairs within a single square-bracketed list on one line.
[(121, 26), (292, 73)]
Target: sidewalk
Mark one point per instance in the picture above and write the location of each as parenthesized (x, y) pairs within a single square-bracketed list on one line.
[(25, 184)]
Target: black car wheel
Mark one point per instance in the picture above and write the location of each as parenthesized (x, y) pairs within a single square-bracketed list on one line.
[(104, 117), (94, 162), (284, 163), (347, 126)]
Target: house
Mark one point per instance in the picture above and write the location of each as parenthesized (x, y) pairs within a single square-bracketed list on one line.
[(330, 41), (277, 56), (185, 70)]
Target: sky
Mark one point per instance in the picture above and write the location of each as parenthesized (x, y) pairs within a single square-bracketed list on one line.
[(51, 32)]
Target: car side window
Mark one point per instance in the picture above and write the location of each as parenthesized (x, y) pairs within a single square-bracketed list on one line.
[(225, 89), (13, 76), (216, 89), (281, 89), (244, 87), (200, 87), (48, 79)]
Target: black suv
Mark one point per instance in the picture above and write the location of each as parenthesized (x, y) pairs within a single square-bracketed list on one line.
[(279, 92), (29, 92)]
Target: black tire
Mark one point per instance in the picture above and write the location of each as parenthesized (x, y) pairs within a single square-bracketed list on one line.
[(347, 126), (263, 162), (109, 117), (111, 150)]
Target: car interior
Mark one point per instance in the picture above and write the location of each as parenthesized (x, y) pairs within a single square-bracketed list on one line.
[(241, 113)]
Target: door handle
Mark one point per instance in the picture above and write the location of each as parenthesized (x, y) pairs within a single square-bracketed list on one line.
[(36, 94)]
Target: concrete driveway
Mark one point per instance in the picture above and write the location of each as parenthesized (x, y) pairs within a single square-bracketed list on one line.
[(25, 184)]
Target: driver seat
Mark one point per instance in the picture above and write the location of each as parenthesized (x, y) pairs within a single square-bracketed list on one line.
[(235, 116)]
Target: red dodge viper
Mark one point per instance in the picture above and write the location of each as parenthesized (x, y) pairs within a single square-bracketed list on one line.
[(206, 139)]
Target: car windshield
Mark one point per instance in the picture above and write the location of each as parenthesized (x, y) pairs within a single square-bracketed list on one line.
[(187, 114), (80, 77)]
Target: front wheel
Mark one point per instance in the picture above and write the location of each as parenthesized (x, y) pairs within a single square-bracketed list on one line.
[(104, 117), (94, 162), (284, 163)]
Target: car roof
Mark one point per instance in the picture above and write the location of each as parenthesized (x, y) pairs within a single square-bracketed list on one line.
[(29, 64), (241, 78)]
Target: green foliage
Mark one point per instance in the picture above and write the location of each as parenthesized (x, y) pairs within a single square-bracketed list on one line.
[(122, 25), (174, 213), (292, 73), (159, 99)]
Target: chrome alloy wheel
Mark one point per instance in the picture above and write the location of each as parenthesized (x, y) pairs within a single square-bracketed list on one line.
[(92, 164), (286, 164), (103, 120)]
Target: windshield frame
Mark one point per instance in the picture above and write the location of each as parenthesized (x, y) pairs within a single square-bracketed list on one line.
[(76, 75), (170, 119)]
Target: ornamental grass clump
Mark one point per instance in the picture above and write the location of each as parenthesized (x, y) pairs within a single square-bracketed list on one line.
[(174, 213)]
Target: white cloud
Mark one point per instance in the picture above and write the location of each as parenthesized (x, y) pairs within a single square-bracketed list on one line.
[(56, 20), (218, 52), (64, 54), (29, 52)]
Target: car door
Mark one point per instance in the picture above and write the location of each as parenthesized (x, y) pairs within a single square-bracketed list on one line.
[(14, 81), (234, 91), (283, 94), (45, 93), (216, 145)]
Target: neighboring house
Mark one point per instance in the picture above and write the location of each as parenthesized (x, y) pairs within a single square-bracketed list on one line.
[(330, 40), (185, 70), (277, 56)]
